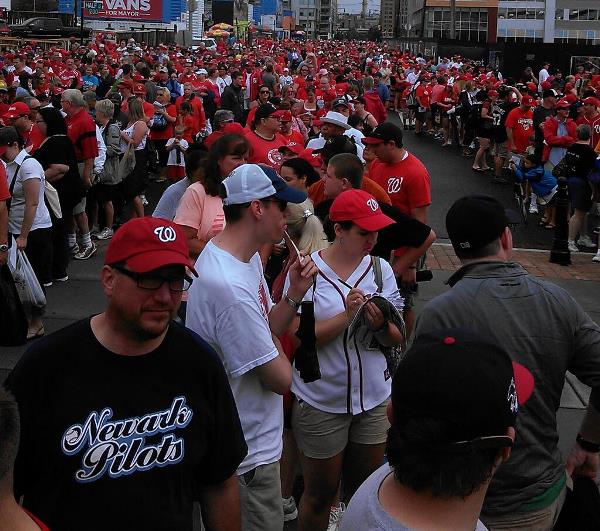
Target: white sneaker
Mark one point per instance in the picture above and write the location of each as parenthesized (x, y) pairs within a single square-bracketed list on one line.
[(585, 241), (573, 247), (106, 234), (596, 257), (533, 209), (290, 511), (86, 252), (335, 517)]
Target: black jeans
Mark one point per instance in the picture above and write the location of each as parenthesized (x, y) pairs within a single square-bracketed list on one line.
[(60, 243)]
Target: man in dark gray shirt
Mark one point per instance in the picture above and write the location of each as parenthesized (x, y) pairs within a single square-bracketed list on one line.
[(542, 328), (454, 402)]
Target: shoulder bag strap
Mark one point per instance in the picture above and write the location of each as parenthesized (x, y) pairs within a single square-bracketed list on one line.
[(376, 261), (12, 184)]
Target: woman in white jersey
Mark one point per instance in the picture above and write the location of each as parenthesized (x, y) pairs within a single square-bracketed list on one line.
[(135, 134), (339, 419)]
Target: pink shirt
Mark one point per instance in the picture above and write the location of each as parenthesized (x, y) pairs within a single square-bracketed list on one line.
[(201, 211), (437, 93)]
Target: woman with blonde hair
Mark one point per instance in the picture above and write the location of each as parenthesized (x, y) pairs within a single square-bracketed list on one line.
[(134, 137)]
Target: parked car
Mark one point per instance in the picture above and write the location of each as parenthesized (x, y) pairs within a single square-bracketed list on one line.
[(209, 43), (46, 27), (4, 29)]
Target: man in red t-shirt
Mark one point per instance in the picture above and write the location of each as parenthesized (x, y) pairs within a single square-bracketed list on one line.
[(70, 77), (423, 95), (406, 180), (4, 196), (160, 135), (81, 131), (519, 125), (265, 138), (287, 132), (591, 117)]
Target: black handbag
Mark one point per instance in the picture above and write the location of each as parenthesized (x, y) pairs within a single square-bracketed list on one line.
[(13, 321)]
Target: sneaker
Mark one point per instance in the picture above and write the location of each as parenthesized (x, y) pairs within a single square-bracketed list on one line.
[(61, 279), (335, 517), (47, 284), (596, 257), (106, 234), (74, 250), (585, 241), (290, 511), (597, 230), (573, 247), (533, 209), (94, 230), (86, 252)]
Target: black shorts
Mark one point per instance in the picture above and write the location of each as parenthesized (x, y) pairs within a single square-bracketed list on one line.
[(103, 193), (161, 149), (580, 193), (135, 183)]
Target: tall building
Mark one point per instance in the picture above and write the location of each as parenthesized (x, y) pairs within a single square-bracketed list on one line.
[(318, 18), (550, 21), (475, 20), (389, 18)]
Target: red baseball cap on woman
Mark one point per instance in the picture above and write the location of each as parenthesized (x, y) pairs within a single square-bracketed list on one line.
[(361, 208)]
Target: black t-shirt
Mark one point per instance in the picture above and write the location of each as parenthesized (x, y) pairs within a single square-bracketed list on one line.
[(500, 110), (122, 442), (581, 159), (58, 149), (406, 232)]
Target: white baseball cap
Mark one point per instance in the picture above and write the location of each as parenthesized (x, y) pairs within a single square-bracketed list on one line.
[(336, 118), (249, 182)]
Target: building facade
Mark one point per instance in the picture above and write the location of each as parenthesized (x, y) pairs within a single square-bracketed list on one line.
[(550, 21)]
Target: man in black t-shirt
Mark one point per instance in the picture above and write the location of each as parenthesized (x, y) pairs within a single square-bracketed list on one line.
[(127, 417), (345, 172), (500, 109)]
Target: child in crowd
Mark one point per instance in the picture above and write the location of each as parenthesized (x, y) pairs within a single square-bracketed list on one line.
[(176, 147), (542, 182)]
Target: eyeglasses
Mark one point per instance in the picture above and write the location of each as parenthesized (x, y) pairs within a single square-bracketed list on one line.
[(265, 91), (153, 282), (282, 205)]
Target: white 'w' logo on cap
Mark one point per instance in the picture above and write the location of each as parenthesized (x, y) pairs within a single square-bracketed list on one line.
[(373, 204), (165, 234)]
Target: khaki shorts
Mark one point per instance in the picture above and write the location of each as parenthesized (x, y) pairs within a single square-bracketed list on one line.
[(321, 435), (260, 499)]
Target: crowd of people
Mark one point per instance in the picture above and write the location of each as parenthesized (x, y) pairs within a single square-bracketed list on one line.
[(258, 321)]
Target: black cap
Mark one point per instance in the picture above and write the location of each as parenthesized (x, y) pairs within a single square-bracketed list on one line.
[(549, 93), (465, 379), (339, 101), (384, 133), (264, 111), (475, 221)]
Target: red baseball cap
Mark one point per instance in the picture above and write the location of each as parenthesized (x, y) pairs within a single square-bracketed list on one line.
[(528, 100), (233, 128), (361, 208), (532, 86), (591, 101), (125, 83), (146, 244), (314, 159), (286, 116), (563, 104), (294, 147), (16, 110), (139, 88)]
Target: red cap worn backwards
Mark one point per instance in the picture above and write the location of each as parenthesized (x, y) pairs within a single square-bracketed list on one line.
[(146, 244), (361, 208)]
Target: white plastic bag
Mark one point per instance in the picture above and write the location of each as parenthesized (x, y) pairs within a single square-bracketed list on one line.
[(28, 287)]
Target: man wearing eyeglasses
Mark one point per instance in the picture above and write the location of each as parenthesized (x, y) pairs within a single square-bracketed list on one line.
[(265, 136), (128, 412)]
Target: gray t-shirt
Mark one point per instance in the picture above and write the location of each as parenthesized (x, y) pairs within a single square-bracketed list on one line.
[(365, 513), (169, 201)]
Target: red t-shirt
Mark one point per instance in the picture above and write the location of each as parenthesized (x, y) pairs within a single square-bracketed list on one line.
[(197, 108), (40, 524), (66, 77), (521, 124), (4, 193), (294, 136), (594, 123), (406, 182), (34, 139), (265, 151), (422, 93), (166, 133), (81, 131)]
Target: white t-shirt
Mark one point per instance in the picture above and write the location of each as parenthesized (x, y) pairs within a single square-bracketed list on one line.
[(352, 377), (172, 160), (228, 306), (30, 169)]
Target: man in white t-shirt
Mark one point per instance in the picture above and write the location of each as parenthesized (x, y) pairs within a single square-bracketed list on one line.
[(453, 409), (543, 75), (230, 307)]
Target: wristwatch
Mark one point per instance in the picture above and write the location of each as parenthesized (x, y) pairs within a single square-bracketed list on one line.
[(3, 248), (294, 304)]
